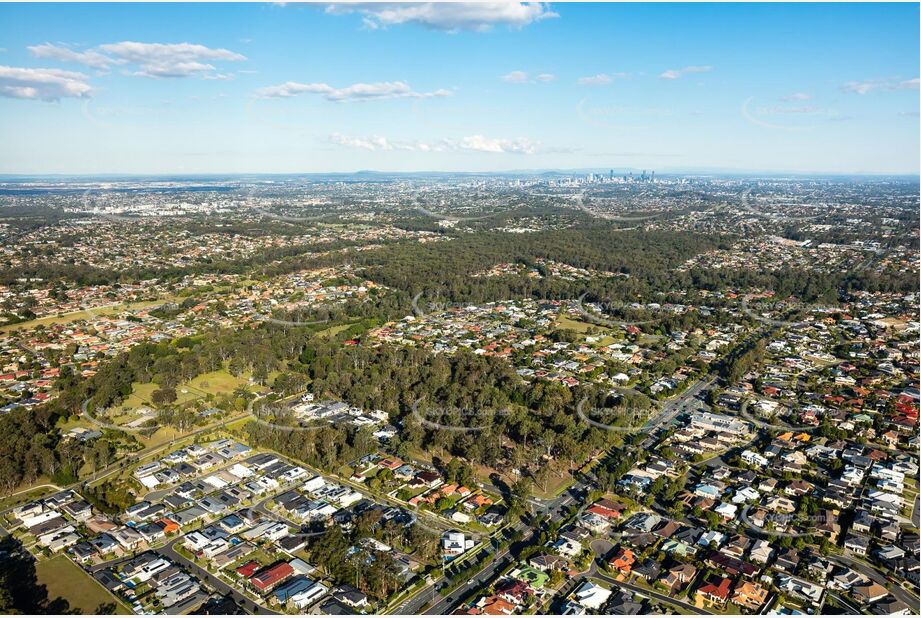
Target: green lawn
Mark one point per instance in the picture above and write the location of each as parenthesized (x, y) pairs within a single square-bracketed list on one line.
[(26, 496), (65, 579), (67, 318), (140, 395), (567, 323), (215, 383), (333, 330)]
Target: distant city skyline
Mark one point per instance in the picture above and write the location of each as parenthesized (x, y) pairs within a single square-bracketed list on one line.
[(272, 88)]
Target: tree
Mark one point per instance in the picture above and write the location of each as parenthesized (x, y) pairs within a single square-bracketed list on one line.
[(163, 396), (20, 592), (518, 500), (713, 519)]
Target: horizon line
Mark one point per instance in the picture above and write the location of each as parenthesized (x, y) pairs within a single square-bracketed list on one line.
[(518, 172)]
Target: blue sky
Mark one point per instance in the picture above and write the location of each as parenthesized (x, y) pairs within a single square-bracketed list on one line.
[(179, 88)]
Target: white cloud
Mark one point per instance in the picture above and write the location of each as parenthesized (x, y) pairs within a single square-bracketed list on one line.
[(515, 77), (355, 92), (448, 16), (596, 80), (476, 143), (42, 84), (601, 79), (376, 142), (170, 60), (521, 77), (885, 83), (676, 73), (480, 143), (864, 87), (860, 87), (90, 58), (362, 143), (151, 59), (797, 96)]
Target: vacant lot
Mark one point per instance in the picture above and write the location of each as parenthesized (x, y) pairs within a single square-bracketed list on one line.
[(74, 316), (216, 383), (65, 579)]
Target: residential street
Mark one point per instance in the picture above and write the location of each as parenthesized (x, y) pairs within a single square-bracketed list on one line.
[(599, 574), (214, 582), (443, 605)]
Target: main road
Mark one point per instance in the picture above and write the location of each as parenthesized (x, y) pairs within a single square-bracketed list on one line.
[(495, 563), (555, 508), (673, 407)]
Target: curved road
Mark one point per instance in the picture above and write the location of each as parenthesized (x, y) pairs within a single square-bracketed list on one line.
[(216, 583)]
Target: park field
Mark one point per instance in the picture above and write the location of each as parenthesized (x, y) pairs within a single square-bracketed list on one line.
[(567, 323), (65, 579), (73, 316), (215, 383)]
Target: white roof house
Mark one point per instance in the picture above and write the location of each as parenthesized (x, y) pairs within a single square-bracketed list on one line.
[(591, 595)]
